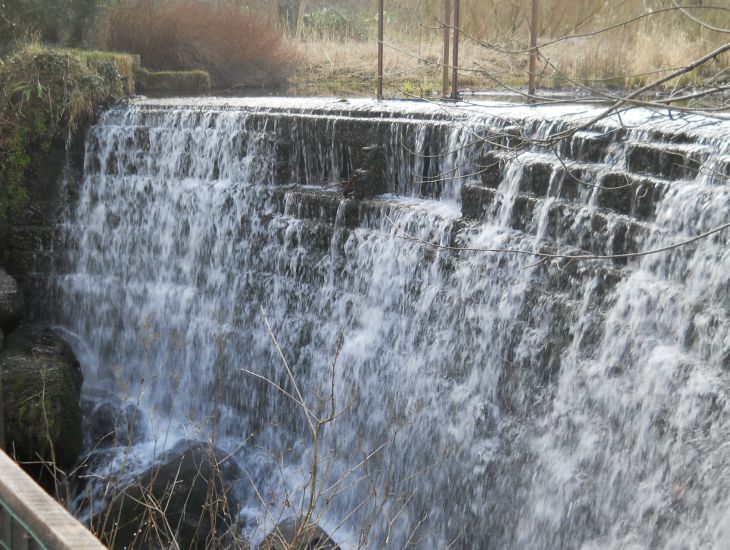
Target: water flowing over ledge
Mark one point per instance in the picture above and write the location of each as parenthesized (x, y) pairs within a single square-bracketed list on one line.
[(514, 404)]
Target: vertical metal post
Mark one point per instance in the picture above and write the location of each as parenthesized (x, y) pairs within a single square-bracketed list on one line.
[(380, 49), (455, 64), (447, 39), (533, 52)]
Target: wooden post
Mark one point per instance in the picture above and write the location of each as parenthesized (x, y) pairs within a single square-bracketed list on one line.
[(455, 70), (300, 18), (380, 49), (533, 53), (447, 39)]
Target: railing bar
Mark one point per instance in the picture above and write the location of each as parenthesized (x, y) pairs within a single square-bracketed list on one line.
[(10, 519), (7, 527)]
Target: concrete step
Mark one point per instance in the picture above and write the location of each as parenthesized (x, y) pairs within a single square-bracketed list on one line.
[(594, 229), (673, 161)]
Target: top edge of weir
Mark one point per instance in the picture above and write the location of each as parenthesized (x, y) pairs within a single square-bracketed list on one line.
[(669, 121)]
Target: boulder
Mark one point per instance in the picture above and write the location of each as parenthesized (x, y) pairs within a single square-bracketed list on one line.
[(41, 387), (11, 302), (186, 500), (113, 424), (291, 534)]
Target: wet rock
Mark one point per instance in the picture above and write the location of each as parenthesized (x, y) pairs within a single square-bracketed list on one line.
[(187, 500), (41, 386), (490, 169), (476, 200), (112, 424), (11, 302), (291, 534), (363, 184)]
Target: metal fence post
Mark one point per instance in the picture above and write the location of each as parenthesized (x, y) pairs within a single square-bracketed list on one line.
[(533, 52), (447, 39), (455, 69), (380, 49)]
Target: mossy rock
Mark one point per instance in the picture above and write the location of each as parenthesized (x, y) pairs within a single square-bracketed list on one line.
[(41, 389), (172, 82), (190, 490), (11, 303)]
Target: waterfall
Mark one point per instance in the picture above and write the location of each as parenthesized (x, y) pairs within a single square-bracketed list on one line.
[(486, 400)]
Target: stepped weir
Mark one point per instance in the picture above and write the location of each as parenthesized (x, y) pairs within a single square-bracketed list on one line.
[(515, 371)]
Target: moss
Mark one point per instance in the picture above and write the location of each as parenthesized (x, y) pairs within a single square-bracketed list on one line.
[(40, 398), (45, 93), (173, 82), (13, 168)]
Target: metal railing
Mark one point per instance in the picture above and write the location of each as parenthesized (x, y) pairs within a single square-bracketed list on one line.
[(452, 9), (30, 519)]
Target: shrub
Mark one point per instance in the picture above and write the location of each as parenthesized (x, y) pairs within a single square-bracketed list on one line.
[(237, 48), (59, 21), (329, 23)]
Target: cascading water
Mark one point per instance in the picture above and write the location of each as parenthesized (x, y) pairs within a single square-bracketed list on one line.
[(487, 400)]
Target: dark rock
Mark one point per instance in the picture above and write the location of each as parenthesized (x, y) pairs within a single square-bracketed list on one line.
[(363, 184), (490, 169), (291, 534), (536, 178), (11, 302), (475, 200), (41, 386), (188, 496), (112, 424)]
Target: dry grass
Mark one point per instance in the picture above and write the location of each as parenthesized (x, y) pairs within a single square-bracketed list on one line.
[(627, 56), (237, 48), (329, 66)]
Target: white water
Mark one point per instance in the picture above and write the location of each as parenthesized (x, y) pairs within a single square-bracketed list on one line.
[(508, 407)]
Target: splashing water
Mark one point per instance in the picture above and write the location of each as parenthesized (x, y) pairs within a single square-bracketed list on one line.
[(485, 401)]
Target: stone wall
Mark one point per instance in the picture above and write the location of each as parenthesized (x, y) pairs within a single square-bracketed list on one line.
[(29, 249)]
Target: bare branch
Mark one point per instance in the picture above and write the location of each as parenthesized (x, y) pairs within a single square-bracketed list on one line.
[(401, 234)]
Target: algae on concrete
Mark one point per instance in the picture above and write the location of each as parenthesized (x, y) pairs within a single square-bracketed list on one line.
[(172, 82)]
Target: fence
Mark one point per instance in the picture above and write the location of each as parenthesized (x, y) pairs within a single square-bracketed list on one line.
[(30, 519), (451, 35)]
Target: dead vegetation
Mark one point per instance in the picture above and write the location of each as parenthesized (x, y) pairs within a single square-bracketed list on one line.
[(238, 48), (605, 45)]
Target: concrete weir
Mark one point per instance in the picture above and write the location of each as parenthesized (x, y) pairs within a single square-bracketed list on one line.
[(518, 369)]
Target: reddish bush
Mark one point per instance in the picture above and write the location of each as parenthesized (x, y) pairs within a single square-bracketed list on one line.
[(237, 48)]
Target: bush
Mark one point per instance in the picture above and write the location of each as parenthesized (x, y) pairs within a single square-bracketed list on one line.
[(237, 48), (59, 21), (328, 23)]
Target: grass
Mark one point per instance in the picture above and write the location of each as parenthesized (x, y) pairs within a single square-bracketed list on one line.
[(626, 57), (45, 93)]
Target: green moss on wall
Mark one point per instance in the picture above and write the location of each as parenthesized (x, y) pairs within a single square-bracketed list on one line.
[(173, 82), (45, 93)]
